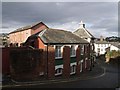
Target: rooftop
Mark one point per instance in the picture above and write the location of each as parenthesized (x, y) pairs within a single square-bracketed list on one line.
[(27, 27), (57, 36), (83, 32)]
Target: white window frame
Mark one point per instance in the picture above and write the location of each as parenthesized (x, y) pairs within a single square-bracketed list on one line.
[(73, 51), (59, 52), (81, 65), (82, 49), (59, 73), (73, 69), (105, 45), (86, 62), (98, 45), (101, 50)]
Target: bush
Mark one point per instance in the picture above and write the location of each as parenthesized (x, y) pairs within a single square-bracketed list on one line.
[(111, 55)]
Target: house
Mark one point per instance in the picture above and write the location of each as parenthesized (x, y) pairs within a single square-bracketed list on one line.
[(59, 40), (102, 45), (82, 32), (20, 35)]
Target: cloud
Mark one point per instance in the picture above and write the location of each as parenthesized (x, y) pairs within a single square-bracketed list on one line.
[(64, 15)]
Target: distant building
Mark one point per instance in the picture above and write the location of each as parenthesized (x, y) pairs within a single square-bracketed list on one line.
[(4, 40), (20, 35), (102, 45)]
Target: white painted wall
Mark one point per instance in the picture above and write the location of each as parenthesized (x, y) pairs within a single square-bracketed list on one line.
[(102, 48)]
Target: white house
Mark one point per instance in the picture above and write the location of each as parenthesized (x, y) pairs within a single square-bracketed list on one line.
[(101, 46)]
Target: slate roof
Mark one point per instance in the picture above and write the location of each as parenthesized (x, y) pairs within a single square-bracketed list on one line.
[(84, 33), (56, 36), (27, 27)]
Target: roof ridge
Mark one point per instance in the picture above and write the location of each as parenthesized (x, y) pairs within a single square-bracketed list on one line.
[(27, 27)]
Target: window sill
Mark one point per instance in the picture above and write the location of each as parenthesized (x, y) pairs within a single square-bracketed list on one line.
[(58, 57), (72, 73), (58, 74), (73, 56)]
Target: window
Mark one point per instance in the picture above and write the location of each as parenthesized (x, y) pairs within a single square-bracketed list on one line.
[(82, 49), (73, 69), (98, 50), (73, 52), (81, 65), (58, 53), (98, 45), (105, 45), (58, 71), (101, 49)]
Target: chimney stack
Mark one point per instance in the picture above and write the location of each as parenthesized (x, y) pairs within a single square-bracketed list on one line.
[(101, 38)]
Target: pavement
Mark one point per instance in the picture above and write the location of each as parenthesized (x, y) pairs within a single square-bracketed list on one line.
[(97, 71)]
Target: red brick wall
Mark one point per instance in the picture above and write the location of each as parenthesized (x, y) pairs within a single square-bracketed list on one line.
[(38, 28), (21, 36), (27, 66), (5, 61), (66, 62), (84, 69), (88, 56), (51, 62), (78, 61), (39, 44)]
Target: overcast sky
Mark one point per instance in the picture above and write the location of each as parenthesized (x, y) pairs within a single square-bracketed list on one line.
[(101, 18)]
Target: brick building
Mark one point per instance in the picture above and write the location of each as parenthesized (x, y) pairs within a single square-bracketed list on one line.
[(20, 35), (66, 53)]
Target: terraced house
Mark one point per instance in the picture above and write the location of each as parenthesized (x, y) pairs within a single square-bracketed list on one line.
[(71, 54)]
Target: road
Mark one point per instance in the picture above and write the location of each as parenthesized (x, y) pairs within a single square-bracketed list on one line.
[(108, 80)]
